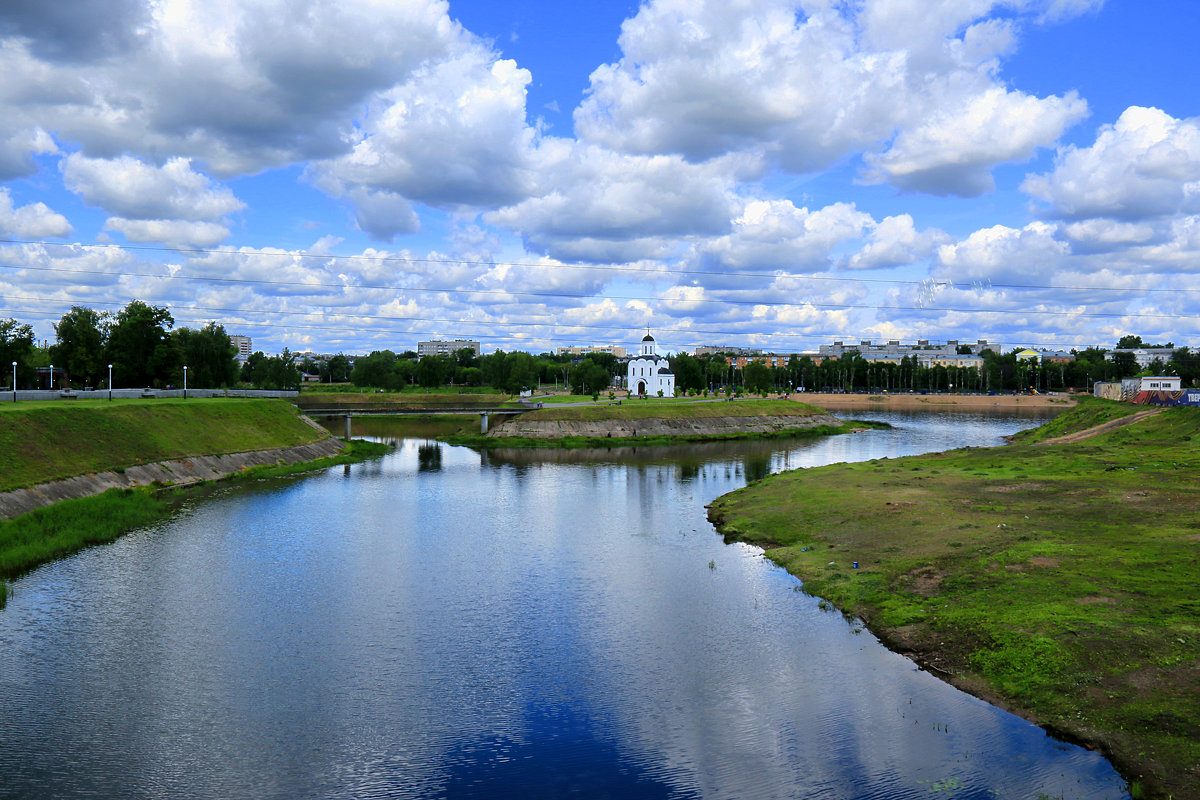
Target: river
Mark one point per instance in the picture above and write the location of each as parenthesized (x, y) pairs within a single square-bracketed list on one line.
[(448, 623)]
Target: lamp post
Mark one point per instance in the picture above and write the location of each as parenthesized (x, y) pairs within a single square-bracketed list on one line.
[(14, 381), (110, 381), (52, 377), (185, 381)]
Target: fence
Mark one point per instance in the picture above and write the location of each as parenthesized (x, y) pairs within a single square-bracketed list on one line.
[(102, 394)]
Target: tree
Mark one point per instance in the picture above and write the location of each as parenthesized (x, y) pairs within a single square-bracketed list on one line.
[(520, 372), (1126, 365), (1187, 365), (589, 378), (466, 357), (757, 377), (272, 372), (335, 369), (374, 370), (210, 356), (16, 344), (79, 348), (138, 347), (688, 374), (1130, 341), (432, 371), (717, 371)]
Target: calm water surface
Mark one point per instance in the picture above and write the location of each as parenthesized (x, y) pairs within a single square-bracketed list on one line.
[(445, 623)]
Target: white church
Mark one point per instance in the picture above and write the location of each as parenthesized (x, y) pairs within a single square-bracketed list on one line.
[(649, 373)]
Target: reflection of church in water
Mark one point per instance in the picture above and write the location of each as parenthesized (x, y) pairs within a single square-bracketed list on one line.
[(649, 373)]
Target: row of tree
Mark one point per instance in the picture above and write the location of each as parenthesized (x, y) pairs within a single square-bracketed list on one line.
[(999, 373), (511, 372), (506, 372), (143, 347)]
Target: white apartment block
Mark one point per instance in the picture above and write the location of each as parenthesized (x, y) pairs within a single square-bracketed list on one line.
[(445, 347)]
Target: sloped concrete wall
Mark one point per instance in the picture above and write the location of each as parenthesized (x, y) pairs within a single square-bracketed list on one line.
[(179, 472)]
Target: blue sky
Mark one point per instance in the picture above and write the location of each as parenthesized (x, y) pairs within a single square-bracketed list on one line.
[(352, 175)]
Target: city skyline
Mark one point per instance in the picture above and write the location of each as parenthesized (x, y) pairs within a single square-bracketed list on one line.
[(774, 175)]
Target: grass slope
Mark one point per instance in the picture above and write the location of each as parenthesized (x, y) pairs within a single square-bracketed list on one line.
[(1060, 580), (42, 442)]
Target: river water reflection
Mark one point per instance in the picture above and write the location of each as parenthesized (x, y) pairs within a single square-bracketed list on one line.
[(446, 623)]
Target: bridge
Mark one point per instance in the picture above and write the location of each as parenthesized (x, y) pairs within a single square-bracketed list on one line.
[(381, 410)]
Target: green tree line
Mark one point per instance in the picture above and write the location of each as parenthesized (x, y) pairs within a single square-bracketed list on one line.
[(144, 348), (509, 372), (999, 373)]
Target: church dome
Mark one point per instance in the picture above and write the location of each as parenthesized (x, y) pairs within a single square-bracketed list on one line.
[(647, 338)]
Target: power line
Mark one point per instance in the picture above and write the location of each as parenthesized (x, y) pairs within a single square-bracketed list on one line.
[(579, 296), (547, 338), (594, 267)]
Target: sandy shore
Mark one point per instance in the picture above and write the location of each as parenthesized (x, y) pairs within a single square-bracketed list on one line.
[(920, 401)]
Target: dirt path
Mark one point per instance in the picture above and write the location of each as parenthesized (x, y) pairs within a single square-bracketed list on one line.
[(1079, 436), (935, 402)]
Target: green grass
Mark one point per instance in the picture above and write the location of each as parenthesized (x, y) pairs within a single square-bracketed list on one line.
[(1059, 579), (678, 409), (46, 441), (479, 440), (1089, 413), (68, 526), (342, 389), (416, 398), (63, 528)]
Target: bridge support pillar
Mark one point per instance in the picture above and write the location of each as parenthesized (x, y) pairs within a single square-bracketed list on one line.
[(483, 422), (347, 437)]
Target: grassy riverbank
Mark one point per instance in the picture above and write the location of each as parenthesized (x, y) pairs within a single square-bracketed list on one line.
[(71, 525), (678, 409), (410, 398), (47, 441), (1057, 579), (651, 422), (58, 439)]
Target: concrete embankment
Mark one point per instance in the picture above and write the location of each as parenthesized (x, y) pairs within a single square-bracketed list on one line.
[(176, 472), (530, 427)]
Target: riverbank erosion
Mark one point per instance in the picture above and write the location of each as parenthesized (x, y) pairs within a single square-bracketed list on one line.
[(682, 420), (1055, 579)]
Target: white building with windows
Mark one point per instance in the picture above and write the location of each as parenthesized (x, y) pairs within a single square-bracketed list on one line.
[(243, 345), (649, 373)]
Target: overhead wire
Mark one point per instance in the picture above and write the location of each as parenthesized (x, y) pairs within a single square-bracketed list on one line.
[(281, 252)]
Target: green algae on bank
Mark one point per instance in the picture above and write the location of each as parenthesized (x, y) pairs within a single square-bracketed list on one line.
[(1057, 580)]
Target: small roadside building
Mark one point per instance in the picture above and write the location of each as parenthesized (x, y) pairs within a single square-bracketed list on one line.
[(1161, 383), (649, 373)]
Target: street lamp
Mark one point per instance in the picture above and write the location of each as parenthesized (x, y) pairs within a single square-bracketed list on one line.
[(185, 381), (14, 381), (52, 377), (110, 381)]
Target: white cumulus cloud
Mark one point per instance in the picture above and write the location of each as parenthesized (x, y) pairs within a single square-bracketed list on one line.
[(130, 188), (1146, 164), (32, 221), (954, 150), (895, 241), (809, 83)]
